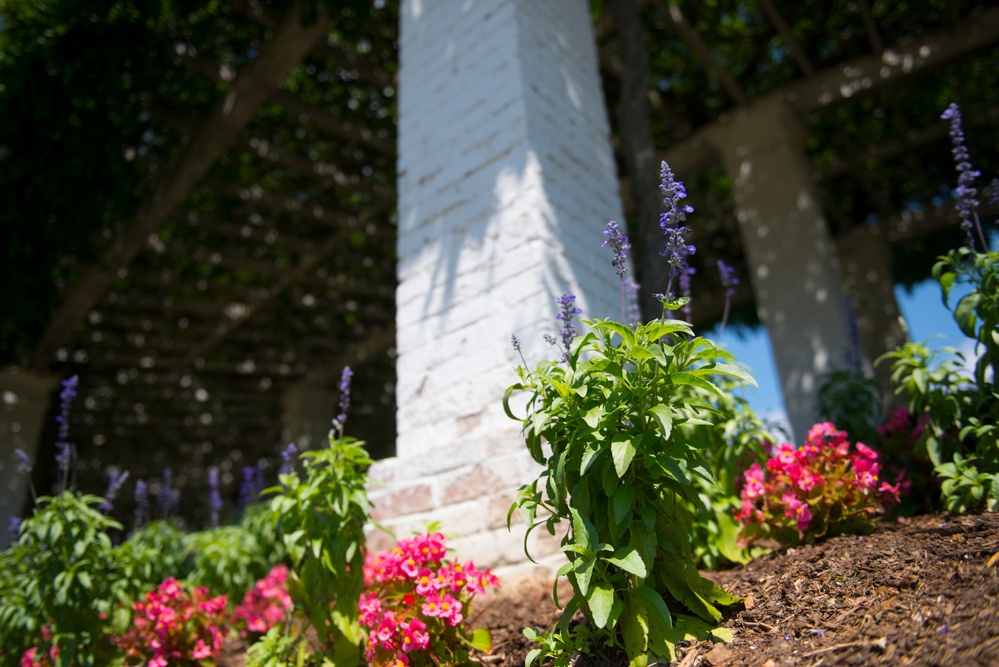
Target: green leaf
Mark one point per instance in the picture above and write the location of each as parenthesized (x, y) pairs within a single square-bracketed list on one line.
[(723, 635), (635, 631), (593, 416), (583, 571), (664, 416), (482, 640), (694, 381), (628, 559), (654, 601), (727, 369), (601, 599), (622, 451), (583, 532), (590, 454), (624, 498)]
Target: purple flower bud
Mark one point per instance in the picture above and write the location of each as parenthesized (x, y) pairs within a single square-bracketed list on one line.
[(214, 497), (248, 487), (115, 479), (14, 528), (345, 377), (169, 497), (618, 242), (288, 457), (568, 331), (966, 205), (515, 342), (23, 461), (64, 451), (728, 280), (677, 249)]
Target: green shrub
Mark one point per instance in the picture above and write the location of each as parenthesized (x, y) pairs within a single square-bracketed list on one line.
[(621, 416)]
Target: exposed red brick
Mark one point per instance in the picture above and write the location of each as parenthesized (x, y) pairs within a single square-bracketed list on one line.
[(407, 500)]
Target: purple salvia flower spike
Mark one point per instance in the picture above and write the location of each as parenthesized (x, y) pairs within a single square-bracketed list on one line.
[(677, 249), (966, 205), (214, 497), (568, 332), (115, 479), (64, 451), (14, 528), (619, 243), (288, 459), (23, 461), (341, 419), (169, 497), (248, 487)]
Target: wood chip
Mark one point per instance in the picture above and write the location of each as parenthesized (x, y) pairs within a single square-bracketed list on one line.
[(719, 655)]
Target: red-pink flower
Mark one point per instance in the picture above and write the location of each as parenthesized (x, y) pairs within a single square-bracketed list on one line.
[(403, 607), (414, 636), (267, 604), (797, 510), (754, 482)]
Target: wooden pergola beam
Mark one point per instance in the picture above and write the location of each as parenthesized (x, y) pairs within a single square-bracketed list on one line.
[(251, 89), (914, 138), (347, 58), (860, 76), (798, 53), (285, 279), (334, 123), (873, 34), (700, 48)]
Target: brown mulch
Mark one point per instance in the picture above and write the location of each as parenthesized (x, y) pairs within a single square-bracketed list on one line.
[(923, 591)]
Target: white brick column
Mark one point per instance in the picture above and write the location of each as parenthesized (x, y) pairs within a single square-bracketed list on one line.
[(792, 259), (24, 401), (506, 179), (865, 259)]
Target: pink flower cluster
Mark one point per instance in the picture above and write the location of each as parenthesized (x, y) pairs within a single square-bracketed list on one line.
[(266, 604), (174, 624), (826, 486), (413, 594), (35, 658)]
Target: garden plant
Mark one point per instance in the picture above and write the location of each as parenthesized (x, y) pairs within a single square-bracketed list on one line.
[(620, 411), (417, 604)]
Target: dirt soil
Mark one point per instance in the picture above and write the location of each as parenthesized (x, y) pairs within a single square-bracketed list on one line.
[(923, 591), (920, 591)]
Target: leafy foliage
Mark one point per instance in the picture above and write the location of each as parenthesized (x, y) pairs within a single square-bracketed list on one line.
[(620, 417), (818, 490), (321, 516), (736, 440), (852, 401), (416, 605), (60, 583), (958, 414)]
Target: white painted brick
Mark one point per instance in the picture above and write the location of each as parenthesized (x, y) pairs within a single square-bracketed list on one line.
[(506, 179)]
